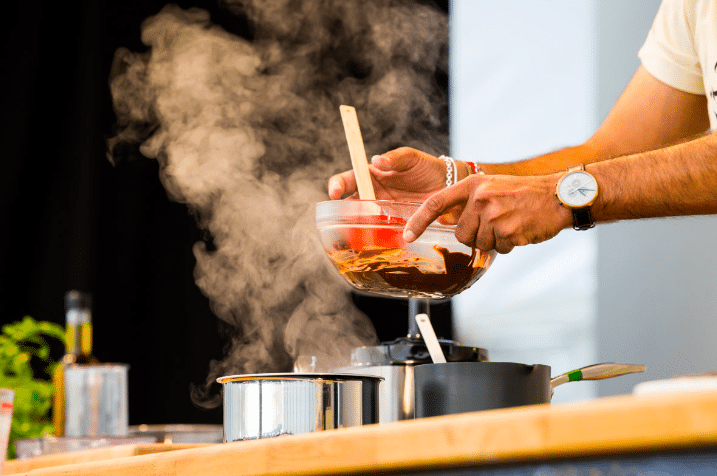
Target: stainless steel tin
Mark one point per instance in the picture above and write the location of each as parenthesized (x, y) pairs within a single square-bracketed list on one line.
[(396, 394), (50, 445), (180, 433), (96, 400), (268, 405)]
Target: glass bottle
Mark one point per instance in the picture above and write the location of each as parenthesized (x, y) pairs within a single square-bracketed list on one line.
[(78, 349)]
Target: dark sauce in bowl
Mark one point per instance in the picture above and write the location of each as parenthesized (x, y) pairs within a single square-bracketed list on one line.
[(389, 271)]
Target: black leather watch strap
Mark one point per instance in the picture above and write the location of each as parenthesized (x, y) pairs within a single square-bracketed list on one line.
[(582, 218)]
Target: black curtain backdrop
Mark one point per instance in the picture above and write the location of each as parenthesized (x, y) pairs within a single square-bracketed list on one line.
[(70, 220)]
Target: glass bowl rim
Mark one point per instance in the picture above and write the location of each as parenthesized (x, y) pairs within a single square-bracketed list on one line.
[(327, 219)]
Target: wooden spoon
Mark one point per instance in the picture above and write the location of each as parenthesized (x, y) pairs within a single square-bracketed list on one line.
[(358, 153)]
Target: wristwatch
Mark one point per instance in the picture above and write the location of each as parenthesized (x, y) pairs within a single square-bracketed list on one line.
[(577, 190)]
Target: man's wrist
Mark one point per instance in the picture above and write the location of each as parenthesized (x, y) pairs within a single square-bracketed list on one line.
[(474, 168), (564, 215), (466, 169), (457, 170), (452, 170)]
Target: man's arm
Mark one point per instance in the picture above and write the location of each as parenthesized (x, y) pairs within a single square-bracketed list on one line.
[(648, 115), (503, 211), (672, 181)]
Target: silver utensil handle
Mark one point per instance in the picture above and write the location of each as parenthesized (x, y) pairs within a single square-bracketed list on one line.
[(596, 372), (429, 337)]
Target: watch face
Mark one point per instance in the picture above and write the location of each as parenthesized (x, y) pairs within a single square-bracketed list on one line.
[(577, 189)]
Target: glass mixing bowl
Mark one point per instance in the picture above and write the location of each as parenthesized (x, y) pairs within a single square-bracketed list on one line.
[(364, 240)]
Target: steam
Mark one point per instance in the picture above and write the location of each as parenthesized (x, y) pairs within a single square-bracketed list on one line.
[(248, 132)]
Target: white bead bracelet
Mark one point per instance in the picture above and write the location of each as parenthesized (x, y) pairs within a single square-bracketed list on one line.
[(451, 171)]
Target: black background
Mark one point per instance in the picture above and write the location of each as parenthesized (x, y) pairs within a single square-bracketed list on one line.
[(70, 220)]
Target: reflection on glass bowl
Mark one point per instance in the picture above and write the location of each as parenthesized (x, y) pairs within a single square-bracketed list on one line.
[(364, 241)]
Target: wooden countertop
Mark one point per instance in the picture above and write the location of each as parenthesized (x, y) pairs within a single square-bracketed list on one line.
[(18, 466), (606, 426)]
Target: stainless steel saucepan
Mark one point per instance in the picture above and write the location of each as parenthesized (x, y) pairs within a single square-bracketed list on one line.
[(268, 405)]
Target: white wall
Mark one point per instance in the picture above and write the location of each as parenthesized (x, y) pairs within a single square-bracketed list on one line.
[(522, 83), (530, 76), (657, 279)]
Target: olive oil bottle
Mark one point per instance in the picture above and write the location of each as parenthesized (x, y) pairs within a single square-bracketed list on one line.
[(78, 349)]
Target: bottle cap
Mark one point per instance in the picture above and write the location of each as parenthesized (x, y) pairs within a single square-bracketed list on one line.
[(78, 300)]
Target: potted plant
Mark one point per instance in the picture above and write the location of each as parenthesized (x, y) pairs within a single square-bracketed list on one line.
[(29, 352)]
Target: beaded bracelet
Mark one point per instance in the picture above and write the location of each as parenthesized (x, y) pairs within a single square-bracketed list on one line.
[(451, 171)]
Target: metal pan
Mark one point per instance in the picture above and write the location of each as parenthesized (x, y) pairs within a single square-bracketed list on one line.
[(269, 405), (458, 387)]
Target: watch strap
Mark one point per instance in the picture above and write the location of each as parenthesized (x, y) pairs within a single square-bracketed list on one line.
[(582, 218)]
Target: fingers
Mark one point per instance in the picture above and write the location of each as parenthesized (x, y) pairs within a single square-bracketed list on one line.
[(478, 228), (494, 212), (402, 174), (382, 162), (501, 244), (436, 205), (467, 227), (470, 233), (452, 216), (397, 160), (341, 184), (474, 227), (400, 160)]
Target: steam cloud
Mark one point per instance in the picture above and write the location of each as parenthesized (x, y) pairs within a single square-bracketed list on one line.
[(247, 132)]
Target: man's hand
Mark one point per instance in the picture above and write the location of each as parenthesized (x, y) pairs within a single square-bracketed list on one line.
[(496, 211), (405, 175)]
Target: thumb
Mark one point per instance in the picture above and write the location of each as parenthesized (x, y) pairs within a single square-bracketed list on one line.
[(399, 160)]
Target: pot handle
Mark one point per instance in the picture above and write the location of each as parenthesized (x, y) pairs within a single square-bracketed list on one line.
[(596, 372)]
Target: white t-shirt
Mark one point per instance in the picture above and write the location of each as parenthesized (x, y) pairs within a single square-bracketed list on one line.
[(681, 48)]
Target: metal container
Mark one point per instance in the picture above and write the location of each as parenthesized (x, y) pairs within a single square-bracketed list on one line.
[(396, 362), (96, 400), (49, 445), (396, 395), (180, 433), (458, 387), (268, 405)]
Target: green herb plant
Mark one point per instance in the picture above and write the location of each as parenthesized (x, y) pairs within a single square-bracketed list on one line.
[(27, 366)]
